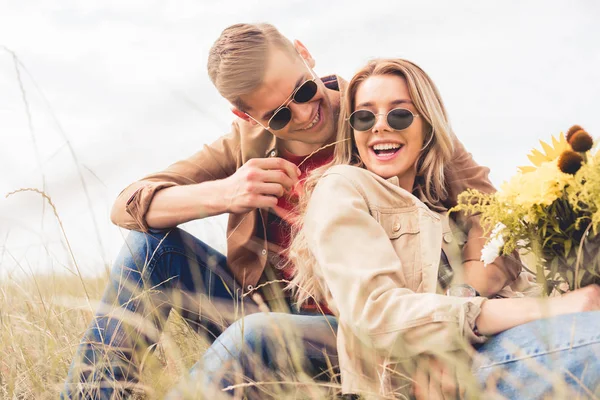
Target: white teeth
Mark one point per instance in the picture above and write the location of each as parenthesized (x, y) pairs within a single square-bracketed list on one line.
[(314, 121), (387, 146)]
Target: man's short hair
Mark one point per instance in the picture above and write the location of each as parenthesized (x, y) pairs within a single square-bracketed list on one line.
[(238, 58)]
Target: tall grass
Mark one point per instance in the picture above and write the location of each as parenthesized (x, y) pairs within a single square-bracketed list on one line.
[(44, 316)]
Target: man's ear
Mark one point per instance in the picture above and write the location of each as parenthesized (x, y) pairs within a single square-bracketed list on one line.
[(304, 53), (243, 115)]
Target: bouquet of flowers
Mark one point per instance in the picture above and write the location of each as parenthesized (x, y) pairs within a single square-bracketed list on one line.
[(550, 209)]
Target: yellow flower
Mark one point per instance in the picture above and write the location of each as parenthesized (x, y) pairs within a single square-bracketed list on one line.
[(541, 186), (550, 153)]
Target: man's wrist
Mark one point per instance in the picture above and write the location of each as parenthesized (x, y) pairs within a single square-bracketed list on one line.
[(212, 203)]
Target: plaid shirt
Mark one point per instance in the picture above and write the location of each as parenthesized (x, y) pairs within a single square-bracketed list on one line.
[(445, 272)]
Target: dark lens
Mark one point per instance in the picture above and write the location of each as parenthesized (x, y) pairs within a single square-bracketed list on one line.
[(280, 119), (305, 92), (399, 119), (362, 120)]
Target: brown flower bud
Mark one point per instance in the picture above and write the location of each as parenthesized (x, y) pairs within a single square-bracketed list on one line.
[(581, 141), (571, 131), (569, 162)]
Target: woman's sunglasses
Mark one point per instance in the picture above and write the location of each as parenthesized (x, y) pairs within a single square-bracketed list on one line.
[(398, 119)]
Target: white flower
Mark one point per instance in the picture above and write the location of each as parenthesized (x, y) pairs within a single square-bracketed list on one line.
[(494, 245)]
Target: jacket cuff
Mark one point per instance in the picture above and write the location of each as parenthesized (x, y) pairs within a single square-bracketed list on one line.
[(472, 310), (139, 202)]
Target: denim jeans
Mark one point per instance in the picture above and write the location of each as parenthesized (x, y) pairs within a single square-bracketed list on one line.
[(264, 347), (556, 357), (154, 273)]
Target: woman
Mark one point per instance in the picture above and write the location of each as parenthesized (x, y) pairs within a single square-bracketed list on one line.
[(376, 244)]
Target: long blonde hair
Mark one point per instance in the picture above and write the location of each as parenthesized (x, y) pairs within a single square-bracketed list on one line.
[(429, 184)]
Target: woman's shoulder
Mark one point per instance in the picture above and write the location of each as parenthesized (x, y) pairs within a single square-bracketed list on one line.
[(372, 187), (354, 174)]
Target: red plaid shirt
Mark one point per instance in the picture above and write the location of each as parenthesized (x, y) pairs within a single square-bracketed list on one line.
[(279, 230)]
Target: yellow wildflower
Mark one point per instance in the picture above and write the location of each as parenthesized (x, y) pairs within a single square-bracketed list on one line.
[(550, 153), (539, 187)]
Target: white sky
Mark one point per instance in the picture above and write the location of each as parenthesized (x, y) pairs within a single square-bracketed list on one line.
[(123, 86)]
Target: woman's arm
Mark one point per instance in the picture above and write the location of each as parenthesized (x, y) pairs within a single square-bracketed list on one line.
[(499, 315)]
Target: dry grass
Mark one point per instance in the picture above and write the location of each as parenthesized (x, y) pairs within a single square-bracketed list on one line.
[(42, 320)]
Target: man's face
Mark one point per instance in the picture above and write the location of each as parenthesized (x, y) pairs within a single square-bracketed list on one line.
[(312, 123)]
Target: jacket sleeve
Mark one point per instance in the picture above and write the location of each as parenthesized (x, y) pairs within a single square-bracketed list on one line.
[(215, 161), (464, 173), (364, 276)]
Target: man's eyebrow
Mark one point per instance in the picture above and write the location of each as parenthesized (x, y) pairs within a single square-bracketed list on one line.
[(393, 103), (268, 114)]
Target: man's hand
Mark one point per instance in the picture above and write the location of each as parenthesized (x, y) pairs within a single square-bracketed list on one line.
[(435, 379), (258, 184)]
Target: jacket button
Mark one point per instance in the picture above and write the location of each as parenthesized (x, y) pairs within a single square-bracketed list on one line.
[(263, 252), (250, 287), (273, 153), (396, 227), (448, 238)]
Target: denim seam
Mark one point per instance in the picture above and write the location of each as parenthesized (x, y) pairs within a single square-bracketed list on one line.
[(592, 340)]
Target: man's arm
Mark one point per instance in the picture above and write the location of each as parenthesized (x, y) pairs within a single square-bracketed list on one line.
[(208, 183), (464, 173)]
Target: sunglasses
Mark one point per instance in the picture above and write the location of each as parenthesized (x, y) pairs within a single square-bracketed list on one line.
[(302, 94), (398, 119)]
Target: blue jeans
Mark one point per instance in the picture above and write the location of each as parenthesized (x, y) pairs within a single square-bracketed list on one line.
[(526, 362), (154, 273), (264, 347), (555, 357)]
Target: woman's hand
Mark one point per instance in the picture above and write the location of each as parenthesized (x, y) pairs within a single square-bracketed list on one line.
[(580, 300), (436, 379)]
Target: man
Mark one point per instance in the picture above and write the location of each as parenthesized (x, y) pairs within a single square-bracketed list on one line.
[(285, 113)]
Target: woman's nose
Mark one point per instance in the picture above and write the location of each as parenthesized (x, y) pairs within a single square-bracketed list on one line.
[(380, 123)]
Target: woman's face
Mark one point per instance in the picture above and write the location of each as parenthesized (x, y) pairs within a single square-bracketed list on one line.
[(385, 151)]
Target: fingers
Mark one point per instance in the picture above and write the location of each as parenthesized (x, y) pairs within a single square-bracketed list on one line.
[(421, 382), (448, 382), (435, 380), (276, 163), (265, 202), (278, 177), (269, 189)]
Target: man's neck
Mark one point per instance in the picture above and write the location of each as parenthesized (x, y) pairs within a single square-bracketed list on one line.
[(298, 148)]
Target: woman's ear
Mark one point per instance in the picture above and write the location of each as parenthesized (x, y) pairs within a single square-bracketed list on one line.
[(243, 115), (304, 53)]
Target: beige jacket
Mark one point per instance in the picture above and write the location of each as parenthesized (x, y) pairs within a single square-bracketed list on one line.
[(378, 250)]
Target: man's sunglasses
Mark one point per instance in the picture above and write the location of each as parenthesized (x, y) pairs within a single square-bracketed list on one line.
[(398, 119), (302, 94)]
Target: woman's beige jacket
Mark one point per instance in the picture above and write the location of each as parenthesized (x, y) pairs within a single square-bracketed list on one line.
[(378, 249)]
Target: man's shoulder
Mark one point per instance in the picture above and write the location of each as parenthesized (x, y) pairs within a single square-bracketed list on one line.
[(251, 141)]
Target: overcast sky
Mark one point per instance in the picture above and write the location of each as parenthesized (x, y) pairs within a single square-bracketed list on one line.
[(118, 89)]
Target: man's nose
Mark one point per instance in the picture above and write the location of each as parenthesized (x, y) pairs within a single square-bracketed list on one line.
[(302, 112)]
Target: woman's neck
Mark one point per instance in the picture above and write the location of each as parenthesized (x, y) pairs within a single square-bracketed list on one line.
[(407, 181)]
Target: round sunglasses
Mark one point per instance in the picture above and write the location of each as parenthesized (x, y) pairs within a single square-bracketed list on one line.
[(398, 119), (283, 115)]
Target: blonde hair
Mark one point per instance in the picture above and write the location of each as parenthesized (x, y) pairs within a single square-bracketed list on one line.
[(430, 181), (238, 58)]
